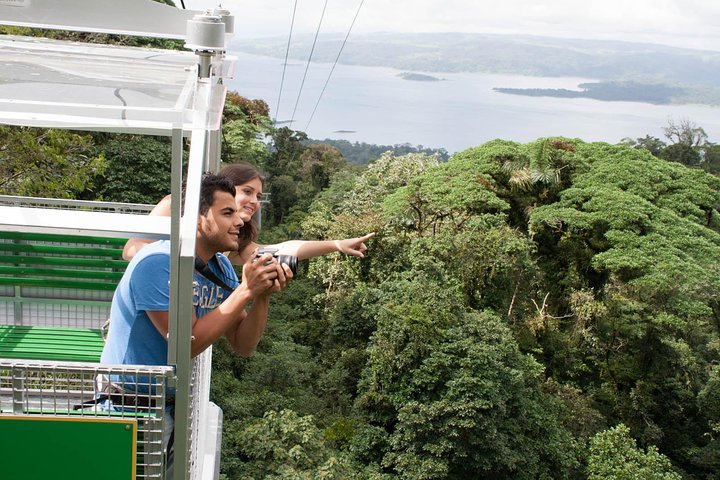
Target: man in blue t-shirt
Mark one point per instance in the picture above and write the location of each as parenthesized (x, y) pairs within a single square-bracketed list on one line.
[(139, 313)]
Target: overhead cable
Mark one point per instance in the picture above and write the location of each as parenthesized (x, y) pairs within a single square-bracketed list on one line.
[(334, 64), (287, 51), (308, 62)]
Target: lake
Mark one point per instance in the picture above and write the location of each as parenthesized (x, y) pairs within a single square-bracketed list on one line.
[(375, 105)]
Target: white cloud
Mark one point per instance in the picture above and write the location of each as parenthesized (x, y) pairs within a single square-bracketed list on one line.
[(691, 23)]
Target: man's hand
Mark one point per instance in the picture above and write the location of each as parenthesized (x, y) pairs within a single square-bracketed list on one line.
[(285, 274), (260, 274)]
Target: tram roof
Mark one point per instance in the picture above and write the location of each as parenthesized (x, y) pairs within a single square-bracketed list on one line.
[(80, 86)]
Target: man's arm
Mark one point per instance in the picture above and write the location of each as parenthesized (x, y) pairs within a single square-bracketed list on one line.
[(245, 335), (257, 279), (208, 328)]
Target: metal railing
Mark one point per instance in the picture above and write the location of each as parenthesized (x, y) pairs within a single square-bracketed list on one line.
[(66, 204), (62, 389)]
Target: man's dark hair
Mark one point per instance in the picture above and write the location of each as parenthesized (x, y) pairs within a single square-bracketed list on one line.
[(212, 183)]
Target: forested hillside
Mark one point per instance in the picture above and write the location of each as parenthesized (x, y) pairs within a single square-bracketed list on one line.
[(361, 153), (540, 310)]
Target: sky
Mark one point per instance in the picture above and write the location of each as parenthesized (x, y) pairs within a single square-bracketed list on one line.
[(681, 23)]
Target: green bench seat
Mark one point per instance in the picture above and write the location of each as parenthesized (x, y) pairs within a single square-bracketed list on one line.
[(87, 269), (50, 343)]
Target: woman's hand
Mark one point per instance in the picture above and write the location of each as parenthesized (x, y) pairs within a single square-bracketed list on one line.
[(354, 246)]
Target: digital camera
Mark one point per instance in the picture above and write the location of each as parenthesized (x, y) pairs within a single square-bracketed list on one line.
[(289, 260)]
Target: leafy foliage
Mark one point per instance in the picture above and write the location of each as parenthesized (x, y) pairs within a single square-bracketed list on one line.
[(286, 446), (246, 123), (475, 410), (516, 300), (361, 153), (614, 456), (138, 169), (47, 163)]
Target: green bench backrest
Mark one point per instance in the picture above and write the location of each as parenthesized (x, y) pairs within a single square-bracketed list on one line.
[(36, 259)]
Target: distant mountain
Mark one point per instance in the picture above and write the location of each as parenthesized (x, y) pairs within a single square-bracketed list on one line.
[(693, 76)]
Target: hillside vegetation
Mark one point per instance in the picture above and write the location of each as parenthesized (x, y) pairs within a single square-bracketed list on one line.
[(539, 310), (547, 310)]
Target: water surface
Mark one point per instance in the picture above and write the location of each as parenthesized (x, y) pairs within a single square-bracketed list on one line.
[(375, 105)]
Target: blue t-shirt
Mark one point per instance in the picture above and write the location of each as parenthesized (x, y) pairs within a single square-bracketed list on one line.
[(132, 338)]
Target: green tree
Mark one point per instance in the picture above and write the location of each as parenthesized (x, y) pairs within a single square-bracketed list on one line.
[(317, 165), (138, 169), (652, 144), (287, 146), (47, 163), (285, 446), (682, 153), (641, 235), (711, 160), (356, 211), (615, 456), (474, 410), (246, 124)]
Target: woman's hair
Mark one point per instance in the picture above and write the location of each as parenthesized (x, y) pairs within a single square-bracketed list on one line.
[(240, 174)]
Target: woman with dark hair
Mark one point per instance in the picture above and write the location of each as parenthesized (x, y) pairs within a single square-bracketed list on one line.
[(248, 193)]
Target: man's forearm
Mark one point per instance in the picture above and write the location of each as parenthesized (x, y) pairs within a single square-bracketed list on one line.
[(211, 326), (245, 335)]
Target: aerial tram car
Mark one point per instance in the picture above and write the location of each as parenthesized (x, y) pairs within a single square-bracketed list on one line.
[(61, 259)]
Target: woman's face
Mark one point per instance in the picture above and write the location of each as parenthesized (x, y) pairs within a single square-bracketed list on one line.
[(247, 197)]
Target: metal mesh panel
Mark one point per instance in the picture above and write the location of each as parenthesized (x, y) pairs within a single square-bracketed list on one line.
[(7, 312), (71, 388), (75, 307), (65, 315), (66, 293)]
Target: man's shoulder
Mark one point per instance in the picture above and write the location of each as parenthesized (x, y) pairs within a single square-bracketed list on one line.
[(151, 256), (227, 271), (159, 248)]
